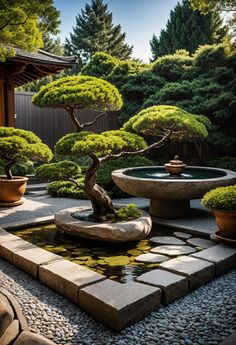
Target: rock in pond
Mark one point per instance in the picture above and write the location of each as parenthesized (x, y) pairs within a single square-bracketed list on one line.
[(122, 231)]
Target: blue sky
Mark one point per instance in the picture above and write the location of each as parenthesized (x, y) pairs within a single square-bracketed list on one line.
[(138, 18)]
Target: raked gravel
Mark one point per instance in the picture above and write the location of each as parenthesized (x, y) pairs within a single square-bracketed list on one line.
[(203, 317)]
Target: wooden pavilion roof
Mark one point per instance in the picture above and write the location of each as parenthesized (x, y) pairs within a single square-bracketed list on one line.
[(26, 67)]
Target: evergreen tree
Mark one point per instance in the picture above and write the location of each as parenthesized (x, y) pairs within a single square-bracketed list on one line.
[(188, 29), (52, 45), (95, 32)]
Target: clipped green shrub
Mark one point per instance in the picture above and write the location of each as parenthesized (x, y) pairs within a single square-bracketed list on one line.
[(223, 163), (23, 169), (128, 212), (66, 189), (104, 178), (210, 56), (19, 169), (124, 213), (100, 65), (58, 171), (221, 198), (171, 67)]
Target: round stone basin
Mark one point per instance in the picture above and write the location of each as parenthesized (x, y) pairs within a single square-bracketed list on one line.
[(170, 195)]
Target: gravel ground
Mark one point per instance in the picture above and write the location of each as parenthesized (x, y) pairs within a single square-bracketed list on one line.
[(203, 317)]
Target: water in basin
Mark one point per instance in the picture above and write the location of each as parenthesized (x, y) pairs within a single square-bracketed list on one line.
[(189, 173)]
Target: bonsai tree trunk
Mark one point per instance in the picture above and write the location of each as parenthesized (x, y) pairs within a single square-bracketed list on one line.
[(101, 202), (7, 169)]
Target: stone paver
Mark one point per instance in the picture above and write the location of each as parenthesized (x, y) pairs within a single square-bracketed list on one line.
[(201, 242), (5, 236), (67, 277), (8, 248), (172, 250), (30, 259), (182, 235), (173, 286), (10, 334), (27, 338), (6, 316), (118, 305), (197, 271), (222, 255), (17, 310), (166, 240), (151, 258)]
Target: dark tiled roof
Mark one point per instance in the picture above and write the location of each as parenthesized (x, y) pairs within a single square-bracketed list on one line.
[(44, 57)]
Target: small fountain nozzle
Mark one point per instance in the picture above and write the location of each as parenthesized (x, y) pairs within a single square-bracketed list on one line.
[(175, 167)]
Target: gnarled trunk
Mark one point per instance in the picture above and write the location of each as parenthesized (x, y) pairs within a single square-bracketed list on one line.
[(7, 169), (101, 202)]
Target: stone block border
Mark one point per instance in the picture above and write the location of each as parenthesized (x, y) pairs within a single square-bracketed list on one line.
[(114, 304), (13, 326)]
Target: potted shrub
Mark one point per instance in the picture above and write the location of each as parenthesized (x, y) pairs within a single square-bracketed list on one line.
[(81, 92), (16, 146), (222, 202)]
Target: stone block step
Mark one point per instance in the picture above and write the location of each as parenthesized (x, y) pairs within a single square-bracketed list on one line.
[(118, 305), (67, 278), (173, 286), (198, 272), (222, 255)]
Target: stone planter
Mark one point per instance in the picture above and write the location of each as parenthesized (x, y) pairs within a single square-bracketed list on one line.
[(226, 222), (122, 231), (11, 191)]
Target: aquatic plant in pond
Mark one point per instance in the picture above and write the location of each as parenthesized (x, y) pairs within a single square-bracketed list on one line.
[(115, 261)]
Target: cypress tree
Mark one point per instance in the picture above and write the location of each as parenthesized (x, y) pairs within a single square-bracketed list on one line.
[(188, 29), (95, 32)]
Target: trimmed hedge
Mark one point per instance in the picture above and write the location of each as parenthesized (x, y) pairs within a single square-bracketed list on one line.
[(66, 189), (221, 198)]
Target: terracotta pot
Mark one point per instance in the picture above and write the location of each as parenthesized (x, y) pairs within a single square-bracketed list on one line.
[(226, 222), (11, 191)]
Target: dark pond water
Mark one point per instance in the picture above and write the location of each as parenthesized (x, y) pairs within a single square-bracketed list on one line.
[(189, 173), (115, 261)]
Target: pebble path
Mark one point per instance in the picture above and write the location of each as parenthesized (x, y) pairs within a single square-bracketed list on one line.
[(204, 317)]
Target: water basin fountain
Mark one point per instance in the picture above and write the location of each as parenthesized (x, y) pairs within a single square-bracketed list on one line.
[(171, 188)]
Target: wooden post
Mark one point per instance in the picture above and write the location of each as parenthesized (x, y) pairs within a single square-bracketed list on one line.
[(2, 97)]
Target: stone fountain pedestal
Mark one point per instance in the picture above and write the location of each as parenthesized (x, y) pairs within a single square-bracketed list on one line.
[(167, 208), (170, 197)]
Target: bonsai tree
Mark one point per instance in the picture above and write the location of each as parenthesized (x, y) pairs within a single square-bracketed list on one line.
[(81, 92), (18, 145), (114, 144)]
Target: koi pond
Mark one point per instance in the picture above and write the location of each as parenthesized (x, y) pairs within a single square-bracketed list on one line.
[(115, 261)]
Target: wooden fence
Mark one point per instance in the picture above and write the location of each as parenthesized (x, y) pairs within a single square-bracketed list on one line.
[(51, 124)]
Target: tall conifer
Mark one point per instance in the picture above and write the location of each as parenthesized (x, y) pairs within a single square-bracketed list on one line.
[(95, 32), (188, 29)]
